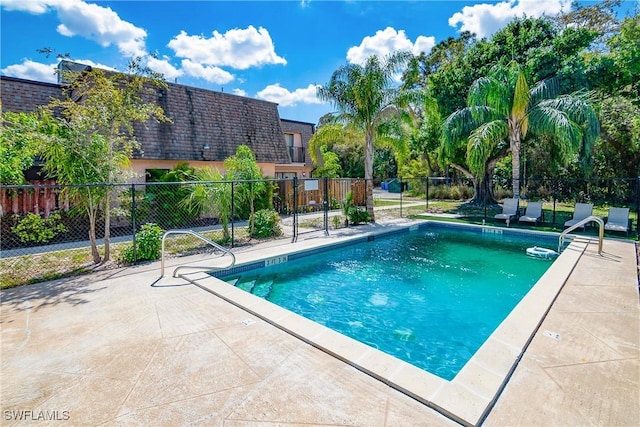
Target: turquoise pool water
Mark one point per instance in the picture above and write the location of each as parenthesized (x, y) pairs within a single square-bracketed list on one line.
[(430, 297)]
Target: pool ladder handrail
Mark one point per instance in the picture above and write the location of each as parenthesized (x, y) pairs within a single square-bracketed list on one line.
[(582, 223), (224, 250)]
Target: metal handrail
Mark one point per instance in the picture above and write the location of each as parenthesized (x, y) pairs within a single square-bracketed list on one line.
[(582, 223), (224, 250)]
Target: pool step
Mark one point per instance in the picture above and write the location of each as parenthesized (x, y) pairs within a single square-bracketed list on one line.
[(246, 283), (263, 289), (259, 286)]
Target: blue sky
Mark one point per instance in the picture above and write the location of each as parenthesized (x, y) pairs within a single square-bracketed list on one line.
[(273, 50)]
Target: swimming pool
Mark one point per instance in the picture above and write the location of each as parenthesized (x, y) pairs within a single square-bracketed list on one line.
[(429, 296)]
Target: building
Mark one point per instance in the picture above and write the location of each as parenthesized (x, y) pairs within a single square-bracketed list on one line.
[(206, 127)]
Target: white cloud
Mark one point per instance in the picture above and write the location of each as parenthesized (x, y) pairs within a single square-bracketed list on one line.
[(102, 25), (485, 19), (240, 92), (388, 41), (91, 21), (423, 45), (208, 73), (237, 48), (164, 67), (31, 6), (285, 98), (31, 70)]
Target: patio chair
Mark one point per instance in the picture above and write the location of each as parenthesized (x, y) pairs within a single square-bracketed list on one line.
[(580, 212), (533, 213), (618, 220), (509, 210)]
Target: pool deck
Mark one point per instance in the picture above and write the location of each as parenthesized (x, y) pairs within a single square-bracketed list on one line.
[(123, 347)]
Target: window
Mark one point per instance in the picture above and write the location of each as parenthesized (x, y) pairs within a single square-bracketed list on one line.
[(288, 139), (154, 175), (286, 175)]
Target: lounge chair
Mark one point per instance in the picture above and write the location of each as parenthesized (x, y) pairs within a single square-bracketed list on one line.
[(533, 213), (618, 220), (509, 210), (580, 212)]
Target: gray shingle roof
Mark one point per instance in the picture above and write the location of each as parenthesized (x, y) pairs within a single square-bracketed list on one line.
[(199, 117)]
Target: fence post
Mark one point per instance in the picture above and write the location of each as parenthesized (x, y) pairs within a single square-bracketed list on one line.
[(555, 187), (401, 188), (133, 221), (294, 203), (233, 214), (426, 194), (638, 207), (326, 206)]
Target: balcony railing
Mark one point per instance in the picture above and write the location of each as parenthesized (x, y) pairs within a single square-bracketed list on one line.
[(297, 154)]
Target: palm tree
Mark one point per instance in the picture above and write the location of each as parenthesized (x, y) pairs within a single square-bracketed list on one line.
[(502, 111), (212, 195), (364, 96)]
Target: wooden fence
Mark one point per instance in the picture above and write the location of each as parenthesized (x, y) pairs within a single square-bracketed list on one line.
[(43, 198), (307, 198)]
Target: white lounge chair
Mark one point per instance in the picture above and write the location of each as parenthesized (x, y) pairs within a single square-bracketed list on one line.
[(509, 210), (533, 213), (618, 220), (580, 212)]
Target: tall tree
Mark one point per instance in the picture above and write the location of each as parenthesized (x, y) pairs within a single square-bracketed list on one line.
[(364, 96), (101, 109), (502, 111)]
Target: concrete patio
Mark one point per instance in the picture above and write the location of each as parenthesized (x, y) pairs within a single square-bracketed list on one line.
[(124, 348)]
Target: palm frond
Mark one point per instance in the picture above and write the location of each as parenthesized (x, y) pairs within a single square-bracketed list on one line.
[(323, 136), (489, 92), (521, 98), (545, 89), (565, 133), (482, 142)]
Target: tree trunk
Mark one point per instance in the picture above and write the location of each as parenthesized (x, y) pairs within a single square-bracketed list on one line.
[(92, 235), (514, 142), (482, 192), (368, 172), (107, 227)]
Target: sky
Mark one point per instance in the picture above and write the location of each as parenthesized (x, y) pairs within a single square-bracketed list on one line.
[(279, 51)]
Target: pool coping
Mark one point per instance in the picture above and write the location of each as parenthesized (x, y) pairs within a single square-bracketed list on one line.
[(471, 394)]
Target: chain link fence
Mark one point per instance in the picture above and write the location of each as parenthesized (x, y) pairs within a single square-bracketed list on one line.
[(45, 227)]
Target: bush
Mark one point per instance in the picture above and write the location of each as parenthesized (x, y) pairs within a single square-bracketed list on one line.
[(149, 244), (355, 214), (358, 215), (266, 223), (450, 192), (35, 229)]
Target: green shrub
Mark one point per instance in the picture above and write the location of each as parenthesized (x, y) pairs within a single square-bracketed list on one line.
[(267, 223), (500, 193), (162, 202), (355, 214), (148, 244), (358, 215), (35, 229), (450, 192)]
